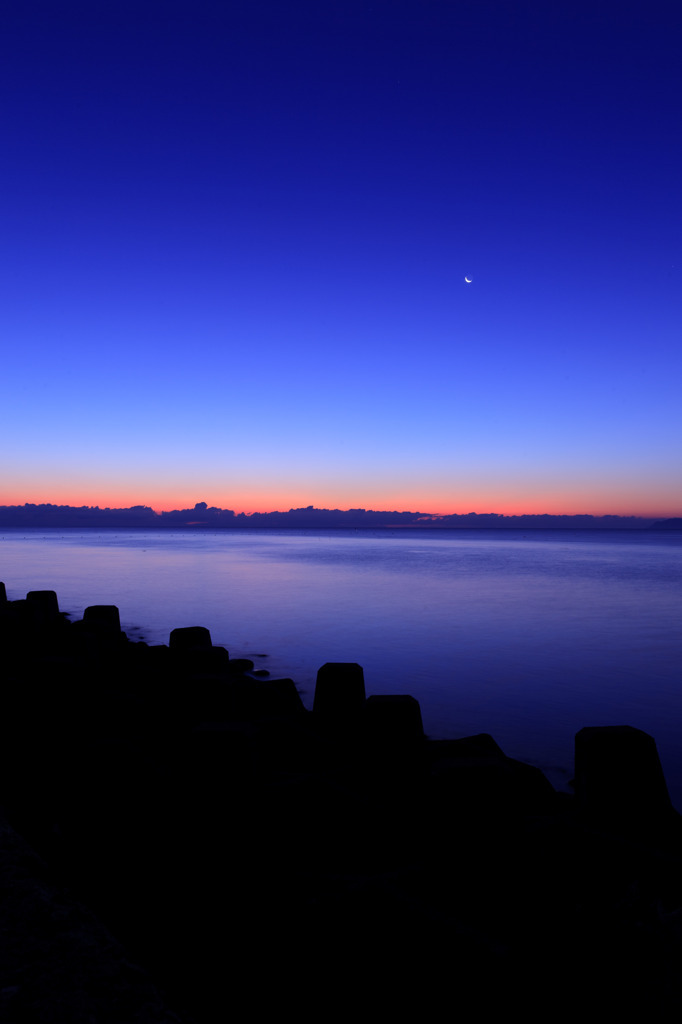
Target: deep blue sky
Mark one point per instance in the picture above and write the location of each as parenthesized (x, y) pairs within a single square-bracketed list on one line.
[(235, 235)]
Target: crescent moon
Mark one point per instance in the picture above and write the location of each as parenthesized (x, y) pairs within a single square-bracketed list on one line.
[(468, 280)]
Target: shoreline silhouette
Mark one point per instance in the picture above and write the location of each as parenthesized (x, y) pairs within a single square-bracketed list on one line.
[(248, 853)]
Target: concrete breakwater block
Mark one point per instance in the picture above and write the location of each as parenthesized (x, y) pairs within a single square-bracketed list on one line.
[(494, 785), (24, 622), (393, 720), (189, 638), (393, 745), (255, 699), (202, 661), (278, 697), (43, 605), (17, 615), (339, 691), (618, 773), (102, 618)]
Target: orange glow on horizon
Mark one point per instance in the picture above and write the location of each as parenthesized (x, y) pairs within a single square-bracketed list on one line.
[(553, 504)]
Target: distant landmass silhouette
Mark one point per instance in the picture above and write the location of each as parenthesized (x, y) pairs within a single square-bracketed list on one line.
[(203, 516)]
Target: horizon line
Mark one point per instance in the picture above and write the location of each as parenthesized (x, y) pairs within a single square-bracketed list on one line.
[(203, 507)]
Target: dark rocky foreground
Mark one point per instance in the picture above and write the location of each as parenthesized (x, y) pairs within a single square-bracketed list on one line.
[(183, 841)]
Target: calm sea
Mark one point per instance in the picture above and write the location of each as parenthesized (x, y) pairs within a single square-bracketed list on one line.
[(527, 635)]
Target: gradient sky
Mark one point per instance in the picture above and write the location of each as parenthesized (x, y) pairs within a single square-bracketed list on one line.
[(235, 236)]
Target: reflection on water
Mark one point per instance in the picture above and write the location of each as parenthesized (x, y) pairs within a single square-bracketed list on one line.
[(529, 636)]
